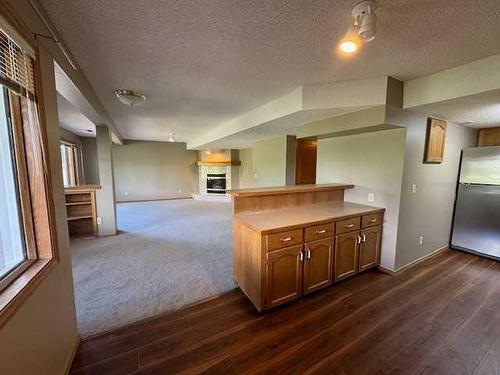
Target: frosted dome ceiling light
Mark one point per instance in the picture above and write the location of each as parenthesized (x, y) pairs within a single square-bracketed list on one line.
[(130, 97)]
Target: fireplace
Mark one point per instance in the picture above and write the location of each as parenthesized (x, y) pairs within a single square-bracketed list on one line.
[(216, 183)]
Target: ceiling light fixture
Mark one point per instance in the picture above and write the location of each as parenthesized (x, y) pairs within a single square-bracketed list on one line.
[(363, 28), (130, 97), (171, 138)]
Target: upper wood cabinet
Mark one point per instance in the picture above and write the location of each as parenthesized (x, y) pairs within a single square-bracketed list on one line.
[(284, 275), (369, 249), (318, 265), (346, 255), (488, 137), (435, 141)]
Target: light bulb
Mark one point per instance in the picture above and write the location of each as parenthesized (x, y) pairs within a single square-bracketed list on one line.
[(348, 46)]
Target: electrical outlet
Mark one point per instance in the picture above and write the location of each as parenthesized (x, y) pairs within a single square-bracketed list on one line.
[(414, 188), (179, 190), (255, 175), (125, 193), (371, 197), (421, 240), (99, 220)]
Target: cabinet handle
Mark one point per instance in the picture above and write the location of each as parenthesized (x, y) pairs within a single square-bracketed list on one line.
[(359, 239), (301, 256), (320, 231), (364, 237), (286, 239), (349, 225), (308, 252), (373, 219)]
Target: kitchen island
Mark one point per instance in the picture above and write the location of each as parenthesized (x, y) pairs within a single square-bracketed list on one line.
[(291, 241)]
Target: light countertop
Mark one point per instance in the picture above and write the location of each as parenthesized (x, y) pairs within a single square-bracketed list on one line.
[(293, 217)]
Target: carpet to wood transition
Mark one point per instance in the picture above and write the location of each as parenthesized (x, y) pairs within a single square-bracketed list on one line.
[(439, 317)]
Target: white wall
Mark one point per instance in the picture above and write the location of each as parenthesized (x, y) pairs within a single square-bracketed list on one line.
[(429, 211), (373, 162)]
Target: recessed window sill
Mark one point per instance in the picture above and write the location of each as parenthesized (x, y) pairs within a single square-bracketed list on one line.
[(14, 295)]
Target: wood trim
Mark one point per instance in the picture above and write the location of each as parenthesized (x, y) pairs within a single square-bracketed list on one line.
[(20, 289), (22, 175), (281, 190), (33, 124), (72, 354)]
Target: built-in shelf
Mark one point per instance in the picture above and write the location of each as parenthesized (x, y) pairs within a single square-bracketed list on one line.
[(77, 203), (80, 217), (219, 163)]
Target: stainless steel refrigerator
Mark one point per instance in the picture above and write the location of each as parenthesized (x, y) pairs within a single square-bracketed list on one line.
[(476, 224)]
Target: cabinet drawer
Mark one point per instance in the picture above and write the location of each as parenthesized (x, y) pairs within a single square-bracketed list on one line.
[(348, 225), (319, 231), (371, 220), (284, 239)]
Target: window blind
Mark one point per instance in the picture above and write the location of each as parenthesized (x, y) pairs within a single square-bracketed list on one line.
[(16, 66)]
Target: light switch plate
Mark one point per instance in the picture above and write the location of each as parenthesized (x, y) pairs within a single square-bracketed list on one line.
[(99, 220)]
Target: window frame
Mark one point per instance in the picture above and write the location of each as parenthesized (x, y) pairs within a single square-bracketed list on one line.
[(76, 162), (28, 121)]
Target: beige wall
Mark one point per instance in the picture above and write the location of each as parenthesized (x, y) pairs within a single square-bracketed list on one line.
[(264, 164), (373, 162), (41, 335), (154, 170), (429, 211)]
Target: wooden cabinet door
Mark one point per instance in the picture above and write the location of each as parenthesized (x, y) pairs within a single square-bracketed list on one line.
[(284, 275), (318, 265), (369, 250), (435, 141), (345, 263)]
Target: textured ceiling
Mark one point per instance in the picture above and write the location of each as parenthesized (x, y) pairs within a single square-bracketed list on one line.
[(72, 119), (204, 62), (477, 111)]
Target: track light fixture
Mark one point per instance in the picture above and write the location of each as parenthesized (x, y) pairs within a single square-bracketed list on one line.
[(363, 28)]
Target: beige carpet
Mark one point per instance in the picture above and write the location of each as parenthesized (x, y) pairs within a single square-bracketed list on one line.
[(168, 254)]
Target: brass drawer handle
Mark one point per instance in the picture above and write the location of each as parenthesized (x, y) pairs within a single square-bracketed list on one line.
[(372, 220), (349, 225), (286, 239), (320, 231)]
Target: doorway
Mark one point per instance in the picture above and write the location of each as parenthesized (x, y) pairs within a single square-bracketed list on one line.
[(305, 162)]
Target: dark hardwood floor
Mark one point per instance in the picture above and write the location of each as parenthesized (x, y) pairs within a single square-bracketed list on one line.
[(439, 317)]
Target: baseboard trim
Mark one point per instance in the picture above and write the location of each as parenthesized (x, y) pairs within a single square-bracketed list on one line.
[(72, 354), (415, 262), (155, 200)]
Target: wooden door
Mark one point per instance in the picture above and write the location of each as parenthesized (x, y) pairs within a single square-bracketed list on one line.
[(305, 162), (284, 275), (345, 263), (318, 265), (369, 250)]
